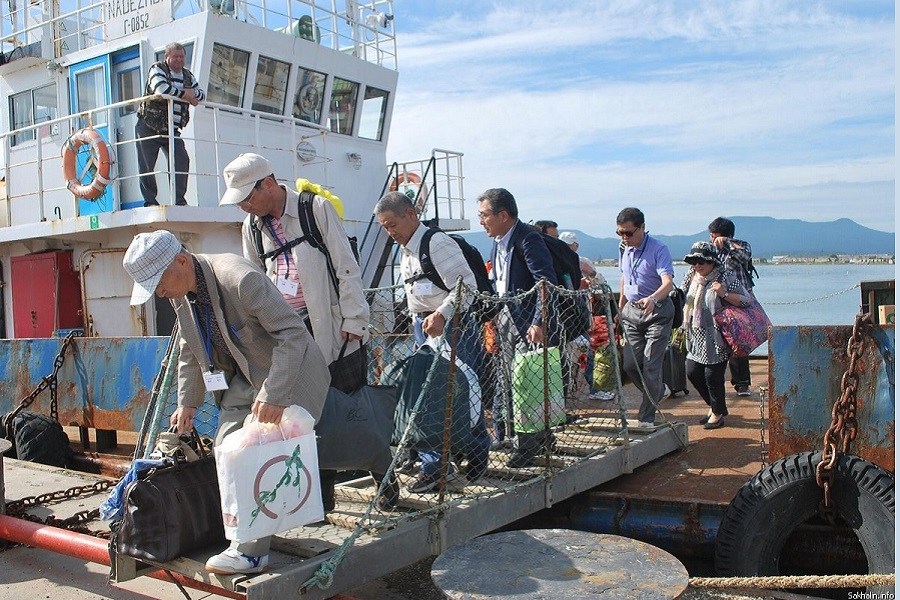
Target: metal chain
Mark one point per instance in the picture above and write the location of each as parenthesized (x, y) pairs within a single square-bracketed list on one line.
[(843, 428), (48, 381), (76, 522), (807, 301), (763, 446)]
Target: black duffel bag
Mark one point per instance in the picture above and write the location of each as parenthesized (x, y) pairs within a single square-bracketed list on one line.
[(170, 511)]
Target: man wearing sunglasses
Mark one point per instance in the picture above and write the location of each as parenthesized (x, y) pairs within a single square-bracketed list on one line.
[(645, 311)]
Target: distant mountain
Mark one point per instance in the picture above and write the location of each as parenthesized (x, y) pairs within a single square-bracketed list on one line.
[(767, 236)]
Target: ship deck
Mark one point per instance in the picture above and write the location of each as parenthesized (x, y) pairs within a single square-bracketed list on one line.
[(396, 543)]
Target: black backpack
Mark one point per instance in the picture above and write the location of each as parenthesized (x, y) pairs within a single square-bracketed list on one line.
[(574, 310), (473, 259), (311, 234)]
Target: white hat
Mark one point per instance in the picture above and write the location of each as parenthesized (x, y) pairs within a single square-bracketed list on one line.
[(145, 260), (569, 237), (241, 176)]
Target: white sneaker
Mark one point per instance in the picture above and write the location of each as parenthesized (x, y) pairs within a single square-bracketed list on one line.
[(232, 561), (645, 424), (602, 396), (666, 392)]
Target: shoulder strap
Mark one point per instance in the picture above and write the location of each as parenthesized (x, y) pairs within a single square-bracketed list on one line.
[(428, 270), (313, 235)]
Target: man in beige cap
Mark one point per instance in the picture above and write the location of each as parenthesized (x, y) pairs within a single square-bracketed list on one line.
[(324, 284), (250, 350)]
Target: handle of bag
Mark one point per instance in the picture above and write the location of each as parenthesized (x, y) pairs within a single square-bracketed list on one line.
[(362, 364), (259, 435)]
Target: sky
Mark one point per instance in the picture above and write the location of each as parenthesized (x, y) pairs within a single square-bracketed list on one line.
[(687, 110)]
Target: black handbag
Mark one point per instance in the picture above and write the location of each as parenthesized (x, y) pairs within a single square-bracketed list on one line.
[(171, 510)]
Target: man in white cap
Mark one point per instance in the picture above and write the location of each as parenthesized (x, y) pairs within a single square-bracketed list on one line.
[(324, 285), (249, 349)]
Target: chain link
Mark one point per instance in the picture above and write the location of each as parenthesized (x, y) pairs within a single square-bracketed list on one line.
[(48, 381), (843, 428), (76, 522), (763, 426)]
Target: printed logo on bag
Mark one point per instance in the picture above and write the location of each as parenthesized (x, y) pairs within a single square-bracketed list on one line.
[(295, 475)]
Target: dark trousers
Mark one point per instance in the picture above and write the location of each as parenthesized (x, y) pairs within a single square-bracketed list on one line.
[(709, 380), (740, 371), (148, 151)]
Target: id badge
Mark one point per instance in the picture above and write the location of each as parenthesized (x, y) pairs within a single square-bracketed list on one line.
[(214, 381), (287, 286), (631, 290), (423, 288)]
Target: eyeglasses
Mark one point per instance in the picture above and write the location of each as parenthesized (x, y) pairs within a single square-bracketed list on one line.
[(622, 233), (246, 201), (485, 214)]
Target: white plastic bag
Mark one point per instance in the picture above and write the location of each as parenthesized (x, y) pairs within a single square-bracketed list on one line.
[(268, 485)]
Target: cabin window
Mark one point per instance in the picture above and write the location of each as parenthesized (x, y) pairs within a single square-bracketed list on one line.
[(227, 75), (188, 54), (270, 89), (371, 119), (310, 95), (129, 83), (343, 106), (30, 108)]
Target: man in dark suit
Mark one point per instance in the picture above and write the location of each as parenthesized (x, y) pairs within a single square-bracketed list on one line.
[(519, 259)]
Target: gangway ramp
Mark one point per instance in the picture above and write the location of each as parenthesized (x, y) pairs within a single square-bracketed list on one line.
[(418, 528)]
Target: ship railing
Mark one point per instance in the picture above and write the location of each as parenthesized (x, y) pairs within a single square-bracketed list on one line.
[(441, 193), (36, 171), (50, 31)]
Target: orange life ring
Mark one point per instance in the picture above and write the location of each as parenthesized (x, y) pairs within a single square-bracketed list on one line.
[(99, 160), (410, 184)]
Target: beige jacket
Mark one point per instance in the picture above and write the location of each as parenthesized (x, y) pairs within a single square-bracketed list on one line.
[(328, 314), (268, 341)]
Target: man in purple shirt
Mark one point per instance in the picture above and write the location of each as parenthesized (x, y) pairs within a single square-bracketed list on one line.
[(645, 311)]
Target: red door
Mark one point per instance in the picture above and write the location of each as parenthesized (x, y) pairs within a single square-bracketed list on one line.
[(46, 294)]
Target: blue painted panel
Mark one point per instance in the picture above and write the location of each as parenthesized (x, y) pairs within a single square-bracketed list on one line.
[(806, 365)]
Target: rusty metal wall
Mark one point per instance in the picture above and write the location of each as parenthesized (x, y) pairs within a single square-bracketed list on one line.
[(806, 365), (104, 383)]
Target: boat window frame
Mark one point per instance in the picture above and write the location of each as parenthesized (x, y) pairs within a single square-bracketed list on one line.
[(33, 119), (304, 81), (284, 90), (364, 115), (211, 92), (354, 96)]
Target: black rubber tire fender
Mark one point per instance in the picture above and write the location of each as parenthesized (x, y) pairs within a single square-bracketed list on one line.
[(784, 495), (40, 439)]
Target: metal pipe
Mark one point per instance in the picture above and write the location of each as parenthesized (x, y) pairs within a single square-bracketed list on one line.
[(86, 547)]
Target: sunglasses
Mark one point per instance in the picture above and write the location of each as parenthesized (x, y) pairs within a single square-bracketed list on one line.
[(622, 233)]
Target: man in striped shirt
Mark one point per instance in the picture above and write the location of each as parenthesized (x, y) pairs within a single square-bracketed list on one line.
[(171, 78)]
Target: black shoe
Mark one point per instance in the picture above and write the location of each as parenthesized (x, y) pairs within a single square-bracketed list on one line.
[(388, 498), (181, 203), (519, 461), (408, 466), (151, 203), (716, 425), (704, 420)]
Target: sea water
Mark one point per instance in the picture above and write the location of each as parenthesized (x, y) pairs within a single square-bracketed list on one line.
[(814, 294)]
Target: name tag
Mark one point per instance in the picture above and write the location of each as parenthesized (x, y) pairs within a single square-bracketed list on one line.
[(287, 286), (631, 291), (423, 288), (214, 381)]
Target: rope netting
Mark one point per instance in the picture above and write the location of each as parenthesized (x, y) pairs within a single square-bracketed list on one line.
[(481, 411)]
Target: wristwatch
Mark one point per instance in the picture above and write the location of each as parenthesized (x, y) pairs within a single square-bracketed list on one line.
[(655, 302)]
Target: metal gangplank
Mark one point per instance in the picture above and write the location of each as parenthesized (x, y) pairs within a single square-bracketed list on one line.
[(421, 527), (593, 443)]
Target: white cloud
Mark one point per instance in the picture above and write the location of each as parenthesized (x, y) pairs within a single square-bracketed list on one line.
[(785, 110)]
